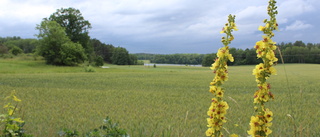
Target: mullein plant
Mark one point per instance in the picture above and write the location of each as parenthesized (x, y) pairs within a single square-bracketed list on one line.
[(260, 123), (218, 108), (12, 126)]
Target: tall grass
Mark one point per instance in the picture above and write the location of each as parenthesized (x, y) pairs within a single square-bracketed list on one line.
[(162, 101)]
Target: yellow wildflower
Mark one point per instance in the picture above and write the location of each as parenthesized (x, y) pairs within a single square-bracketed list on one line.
[(209, 132), (218, 107), (234, 27), (234, 135), (273, 71), (268, 115), (268, 131), (261, 28), (230, 57), (213, 89), (267, 25)]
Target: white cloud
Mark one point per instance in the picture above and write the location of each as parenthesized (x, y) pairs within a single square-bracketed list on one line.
[(298, 25), (141, 23), (290, 8)]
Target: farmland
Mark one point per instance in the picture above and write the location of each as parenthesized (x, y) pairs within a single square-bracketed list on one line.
[(161, 101)]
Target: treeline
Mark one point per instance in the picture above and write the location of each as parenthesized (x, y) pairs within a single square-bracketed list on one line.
[(297, 52), (63, 39), (188, 59), (107, 52), (300, 52)]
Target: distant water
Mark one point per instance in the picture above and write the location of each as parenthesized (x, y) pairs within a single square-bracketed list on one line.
[(151, 64)]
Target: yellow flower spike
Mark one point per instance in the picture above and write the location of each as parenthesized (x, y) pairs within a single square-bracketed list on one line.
[(218, 107), (260, 123)]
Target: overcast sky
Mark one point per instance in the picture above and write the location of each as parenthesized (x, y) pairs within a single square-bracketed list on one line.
[(169, 26)]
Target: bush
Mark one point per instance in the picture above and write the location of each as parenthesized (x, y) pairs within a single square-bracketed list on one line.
[(15, 50), (108, 129), (89, 69), (98, 61), (72, 54), (140, 62)]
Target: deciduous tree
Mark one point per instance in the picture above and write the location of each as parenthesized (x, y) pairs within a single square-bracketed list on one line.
[(56, 47), (76, 27)]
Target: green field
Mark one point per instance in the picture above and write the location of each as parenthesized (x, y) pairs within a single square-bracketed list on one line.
[(161, 101)]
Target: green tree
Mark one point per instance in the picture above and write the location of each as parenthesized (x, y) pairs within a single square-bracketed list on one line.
[(102, 49), (208, 60), (251, 57), (27, 45), (56, 47), (15, 50), (76, 27), (72, 53), (120, 56), (3, 49), (98, 61), (133, 59)]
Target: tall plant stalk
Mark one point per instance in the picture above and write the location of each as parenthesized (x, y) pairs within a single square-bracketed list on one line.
[(218, 107), (260, 123)]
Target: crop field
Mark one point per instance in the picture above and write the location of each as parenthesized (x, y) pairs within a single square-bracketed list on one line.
[(152, 102)]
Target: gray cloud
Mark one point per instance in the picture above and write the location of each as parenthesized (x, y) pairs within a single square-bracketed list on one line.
[(175, 26)]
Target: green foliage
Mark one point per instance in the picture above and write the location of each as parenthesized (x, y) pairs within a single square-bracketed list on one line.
[(300, 52), (297, 52), (120, 56), (5, 56), (12, 126), (68, 133), (56, 47), (27, 45), (208, 60), (98, 61), (52, 37), (15, 50), (89, 69), (102, 49), (3, 49), (108, 129), (140, 62), (72, 54), (133, 60), (192, 59), (5, 39), (76, 27)]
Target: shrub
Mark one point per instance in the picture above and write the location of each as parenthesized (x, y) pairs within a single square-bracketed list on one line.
[(89, 69), (15, 50), (108, 129), (13, 126), (98, 61)]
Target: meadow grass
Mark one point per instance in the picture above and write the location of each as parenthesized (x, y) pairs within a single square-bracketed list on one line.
[(162, 101)]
